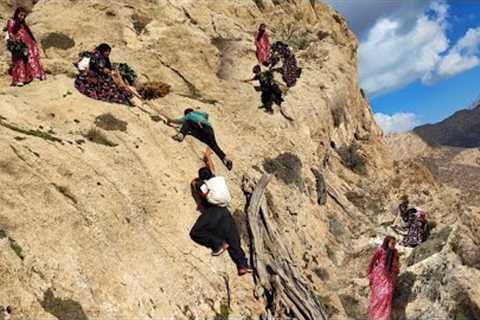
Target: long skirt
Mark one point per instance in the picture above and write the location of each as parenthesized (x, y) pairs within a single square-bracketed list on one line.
[(24, 70), (381, 296), (102, 87)]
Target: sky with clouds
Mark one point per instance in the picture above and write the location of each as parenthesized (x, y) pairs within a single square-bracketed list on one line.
[(419, 59)]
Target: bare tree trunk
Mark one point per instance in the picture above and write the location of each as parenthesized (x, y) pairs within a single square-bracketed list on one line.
[(277, 277)]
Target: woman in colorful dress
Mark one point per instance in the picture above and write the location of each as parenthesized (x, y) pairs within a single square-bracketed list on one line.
[(289, 70), (26, 66), (262, 43), (98, 82), (382, 275), (415, 221)]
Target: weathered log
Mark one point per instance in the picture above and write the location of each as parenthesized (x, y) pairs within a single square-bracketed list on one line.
[(287, 293), (321, 187)]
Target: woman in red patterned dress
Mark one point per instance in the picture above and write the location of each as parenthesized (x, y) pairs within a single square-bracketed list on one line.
[(262, 43), (24, 68), (382, 275)]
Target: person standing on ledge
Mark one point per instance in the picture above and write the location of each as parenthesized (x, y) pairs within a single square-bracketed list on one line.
[(26, 64), (262, 44), (196, 123)]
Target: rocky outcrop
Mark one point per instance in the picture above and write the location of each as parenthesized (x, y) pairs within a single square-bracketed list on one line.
[(96, 204), (459, 130)]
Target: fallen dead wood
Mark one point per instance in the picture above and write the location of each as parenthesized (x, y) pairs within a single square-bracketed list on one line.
[(277, 278)]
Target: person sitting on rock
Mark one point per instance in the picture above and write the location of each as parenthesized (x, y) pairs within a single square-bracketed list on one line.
[(99, 81), (399, 225), (271, 92), (216, 228), (196, 123)]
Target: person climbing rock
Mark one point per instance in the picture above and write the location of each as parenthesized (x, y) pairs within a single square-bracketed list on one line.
[(212, 188), (100, 82), (196, 123), (216, 228), (383, 271), (271, 92), (289, 70), (262, 44), (26, 64)]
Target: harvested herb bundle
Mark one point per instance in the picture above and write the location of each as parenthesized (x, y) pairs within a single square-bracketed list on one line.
[(17, 48), (128, 74)]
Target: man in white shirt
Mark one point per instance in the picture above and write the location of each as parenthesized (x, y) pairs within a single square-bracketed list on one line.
[(215, 228)]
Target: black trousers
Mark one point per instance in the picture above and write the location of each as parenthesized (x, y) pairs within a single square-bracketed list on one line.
[(203, 133), (215, 226), (270, 95)]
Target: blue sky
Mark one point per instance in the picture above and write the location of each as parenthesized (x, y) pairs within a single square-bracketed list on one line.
[(419, 59)]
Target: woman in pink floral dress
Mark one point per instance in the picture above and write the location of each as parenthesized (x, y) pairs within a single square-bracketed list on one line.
[(382, 275), (24, 68), (262, 43)]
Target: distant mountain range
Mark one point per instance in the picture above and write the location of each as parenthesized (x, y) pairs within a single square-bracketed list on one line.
[(462, 129)]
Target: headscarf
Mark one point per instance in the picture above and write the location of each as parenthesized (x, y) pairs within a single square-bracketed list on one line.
[(99, 50), (261, 31), (102, 47), (390, 253), (18, 24)]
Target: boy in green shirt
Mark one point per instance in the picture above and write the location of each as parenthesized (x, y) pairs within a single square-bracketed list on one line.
[(196, 123)]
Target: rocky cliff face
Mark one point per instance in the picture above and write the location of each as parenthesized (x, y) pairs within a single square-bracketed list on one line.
[(96, 205)]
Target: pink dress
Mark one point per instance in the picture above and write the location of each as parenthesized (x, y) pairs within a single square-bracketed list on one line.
[(24, 70), (382, 285), (263, 49)]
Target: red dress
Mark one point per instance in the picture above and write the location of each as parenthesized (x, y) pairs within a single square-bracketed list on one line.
[(263, 49), (382, 285), (24, 70)]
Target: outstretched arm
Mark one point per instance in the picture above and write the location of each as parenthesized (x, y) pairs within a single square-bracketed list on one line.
[(207, 157), (249, 80)]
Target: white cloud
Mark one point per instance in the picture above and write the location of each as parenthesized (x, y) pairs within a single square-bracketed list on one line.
[(398, 122), (464, 55), (406, 41), (363, 14), (390, 58)]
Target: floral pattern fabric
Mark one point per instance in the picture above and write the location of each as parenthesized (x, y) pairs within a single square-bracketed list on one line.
[(416, 228), (290, 70), (97, 84), (262, 44), (382, 285)]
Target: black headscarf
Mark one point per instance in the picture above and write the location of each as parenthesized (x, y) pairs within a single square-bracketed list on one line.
[(103, 47), (18, 23), (100, 61), (261, 30), (390, 253)]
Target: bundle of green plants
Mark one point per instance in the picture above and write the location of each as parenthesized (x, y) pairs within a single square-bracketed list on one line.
[(128, 74), (17, 48)]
